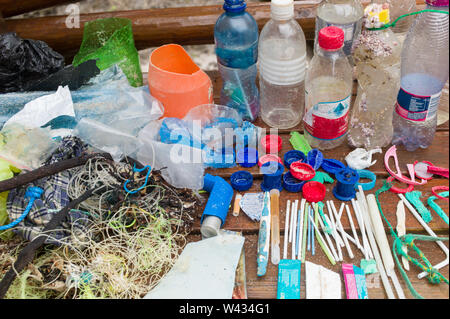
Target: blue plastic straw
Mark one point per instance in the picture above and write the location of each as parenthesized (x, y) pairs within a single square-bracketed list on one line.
[(297, 252)]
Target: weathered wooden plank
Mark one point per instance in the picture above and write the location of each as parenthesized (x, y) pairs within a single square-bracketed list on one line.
[(11, 8), (266, 287), (388, 201)]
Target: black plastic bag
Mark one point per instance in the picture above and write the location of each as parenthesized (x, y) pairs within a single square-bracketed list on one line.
[(23, 62)]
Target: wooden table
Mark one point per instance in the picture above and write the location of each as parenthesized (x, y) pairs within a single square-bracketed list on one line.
[(265, 287)]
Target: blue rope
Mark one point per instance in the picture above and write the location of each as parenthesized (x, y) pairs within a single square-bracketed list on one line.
[(146, 179), (32, 193)]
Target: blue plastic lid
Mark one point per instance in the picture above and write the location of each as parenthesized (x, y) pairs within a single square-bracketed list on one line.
[(234, 5), (293, 156), (315, 158), (241, 181), (272, 172), (332, 166), (247, 157), (363, 173), (291, 184)]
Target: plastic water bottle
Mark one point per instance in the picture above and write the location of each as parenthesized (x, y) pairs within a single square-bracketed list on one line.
[(328, 92), (345, 14), (236, 41), (424, 73), (398, 8), (282, 66)]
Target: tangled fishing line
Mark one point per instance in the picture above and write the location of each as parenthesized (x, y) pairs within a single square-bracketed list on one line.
[(132, 241)]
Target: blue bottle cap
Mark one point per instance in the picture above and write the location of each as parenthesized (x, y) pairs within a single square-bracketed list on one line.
[(272, 172), (315, 158), (347, 178), (234, 5), (363, 173), (241, 181), (247, 157), (293, 156), (332, 166), (291, 184)]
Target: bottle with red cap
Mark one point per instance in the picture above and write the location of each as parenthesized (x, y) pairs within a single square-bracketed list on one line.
[(328, 92)]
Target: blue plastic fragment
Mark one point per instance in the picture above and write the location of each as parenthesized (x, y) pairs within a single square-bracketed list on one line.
[(332, 166), (293, 156), (291, 184), (247, 157), (363, 173), (272, 176), (221, 194), (315, 158), (224, 159), (347, 178), (241, 181)]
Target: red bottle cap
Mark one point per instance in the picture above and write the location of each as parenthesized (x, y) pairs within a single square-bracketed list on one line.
[(331, 38), (268, 158), (302, 171), (272, 143), (314, 192)]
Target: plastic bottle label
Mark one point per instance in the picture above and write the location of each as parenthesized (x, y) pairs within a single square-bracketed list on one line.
[(328, 120), (415, 107)]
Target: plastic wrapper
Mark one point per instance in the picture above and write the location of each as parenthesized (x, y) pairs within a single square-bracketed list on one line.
[(24, 62), (110, 41)]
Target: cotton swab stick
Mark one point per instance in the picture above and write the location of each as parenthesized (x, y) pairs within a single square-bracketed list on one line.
[(305, 225), (335, 237), (286, 229), (329, 241), (360, 202), (309, 229), (380, 266), (320, 239), (297, 243), (294, 220), (291, 224), (330, 220), (352, 225), (300, 235), (430, 231), (364, 239), (313, 249), (339, 224), (383, 243)]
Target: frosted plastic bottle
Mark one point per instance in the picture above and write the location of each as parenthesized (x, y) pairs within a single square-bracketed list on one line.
[(424, 73), (328, 92), (282, 66), (377, 58), (236, 41), (398, 8), (345, 14)]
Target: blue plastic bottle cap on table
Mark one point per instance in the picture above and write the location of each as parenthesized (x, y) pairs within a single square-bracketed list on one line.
[(332, 166), (272, 176), (315, 158), (363, 173), (241, 181), (347, 178), (293, 156), (291, 184), (247, 157)]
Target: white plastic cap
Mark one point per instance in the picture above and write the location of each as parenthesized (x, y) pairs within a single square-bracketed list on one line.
[(282, 9)]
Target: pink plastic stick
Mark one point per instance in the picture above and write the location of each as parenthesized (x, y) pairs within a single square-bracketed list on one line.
[(392, 152)]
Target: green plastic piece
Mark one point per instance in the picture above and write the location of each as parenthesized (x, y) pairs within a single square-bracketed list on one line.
[(414, 198), (323, 177), (299, 142), (436, 207), (110, 41), (6, 172), (369, 266)]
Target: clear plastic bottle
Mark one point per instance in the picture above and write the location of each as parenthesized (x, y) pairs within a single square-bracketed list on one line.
[(345, 14), (236, 40), (377, 58), (424, 73), (398, 8), (328, 92), (282, 66)]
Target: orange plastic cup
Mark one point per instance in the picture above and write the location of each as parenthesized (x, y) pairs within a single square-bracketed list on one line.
[(176, 81)]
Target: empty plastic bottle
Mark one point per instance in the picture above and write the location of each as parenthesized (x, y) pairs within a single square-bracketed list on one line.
[(236, 41), (328, 92), (345, 14), (282, 66), (424, 73), (398, 8)]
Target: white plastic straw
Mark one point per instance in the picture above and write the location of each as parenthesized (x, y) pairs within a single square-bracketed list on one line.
[(286, 229)]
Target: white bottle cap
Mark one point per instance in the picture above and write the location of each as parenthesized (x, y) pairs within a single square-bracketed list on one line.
[(282, 9)]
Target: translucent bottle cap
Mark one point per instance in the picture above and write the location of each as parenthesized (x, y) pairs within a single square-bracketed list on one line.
[(331, 38), (438, 3), (282, 9), (234, 5)]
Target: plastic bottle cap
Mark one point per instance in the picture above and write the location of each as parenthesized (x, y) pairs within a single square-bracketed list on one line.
[(282, 9), (315, 158), (268, 158), (438, 3), (241, 181), (314, 192), (247, 157), (293, 156), (272, 172), (302, 171), (272, 143), (331, 38), (291, 184), (210, 226), (421, 170), (363, 173), (332, 166), (234, 5)]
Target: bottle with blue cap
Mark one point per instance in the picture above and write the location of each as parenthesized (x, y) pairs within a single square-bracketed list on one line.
[(236, 37)]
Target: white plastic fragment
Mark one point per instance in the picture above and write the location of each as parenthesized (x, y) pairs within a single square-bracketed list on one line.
[(361, 158)]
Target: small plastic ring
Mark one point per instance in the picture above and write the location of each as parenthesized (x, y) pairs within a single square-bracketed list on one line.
[(397, 190), (241, 181), (363, 173), (435, 189)]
